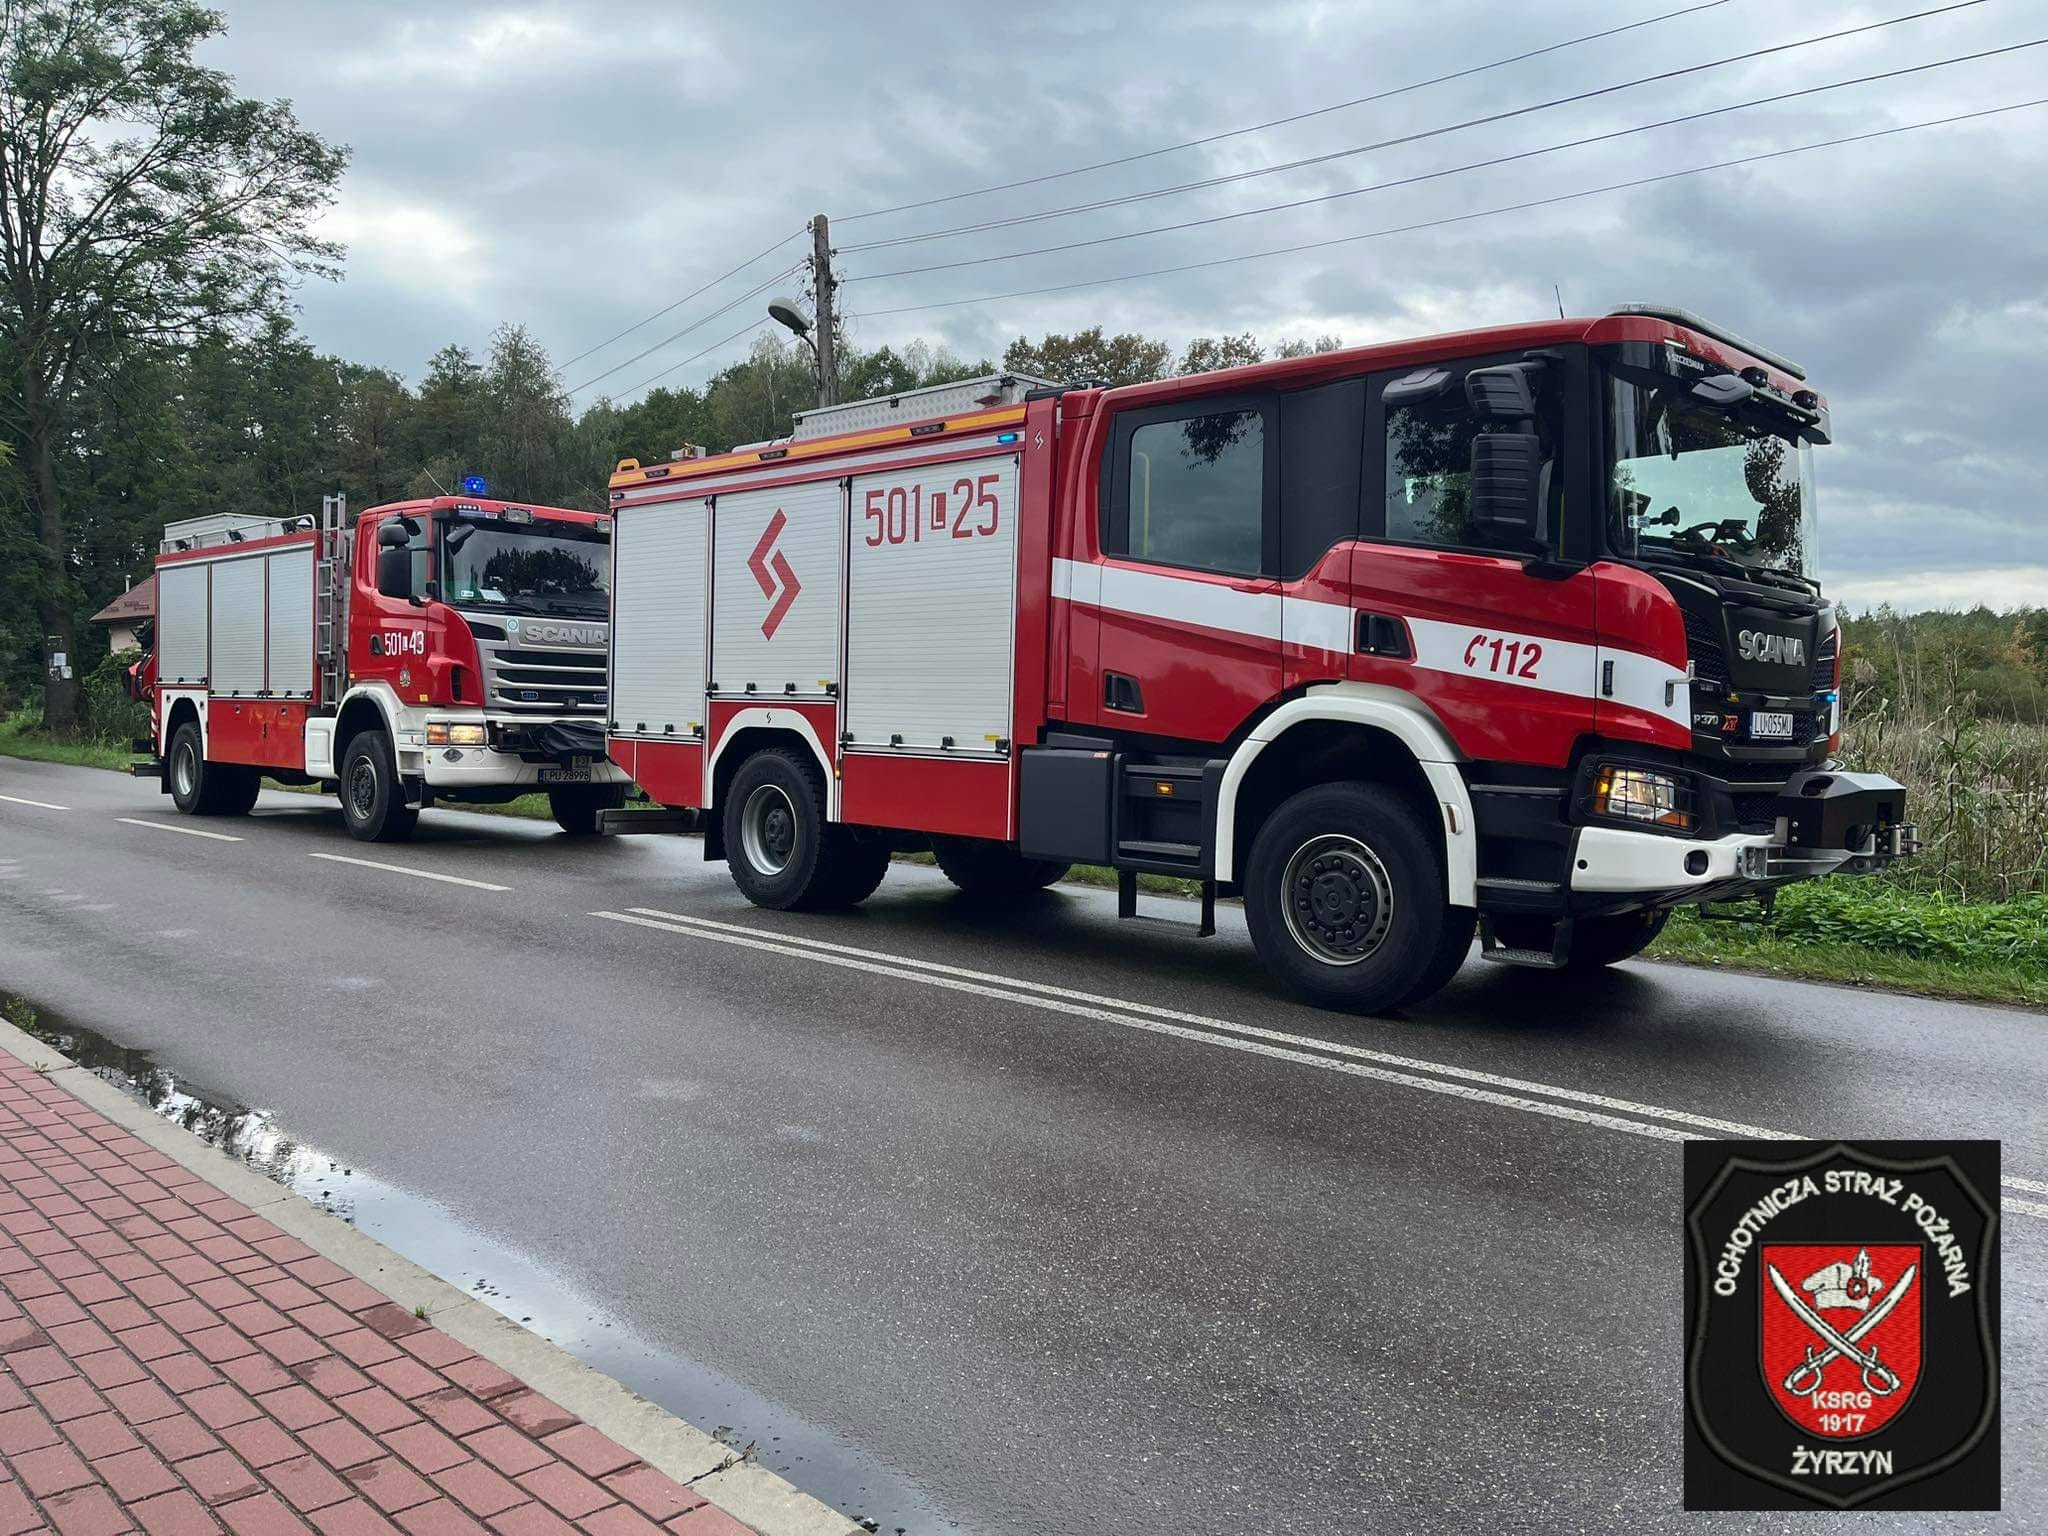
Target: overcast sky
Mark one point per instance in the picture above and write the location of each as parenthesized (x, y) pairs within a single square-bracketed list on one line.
[(577, 167)]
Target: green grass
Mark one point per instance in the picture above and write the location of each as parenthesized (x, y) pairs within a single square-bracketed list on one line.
[(1864, 934), (22, 735)]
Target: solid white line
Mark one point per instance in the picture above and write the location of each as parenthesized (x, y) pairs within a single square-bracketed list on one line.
[(1153, 1026), (1310, 1042), (993, 984), (400, 869), (165, 826), (41, 805)]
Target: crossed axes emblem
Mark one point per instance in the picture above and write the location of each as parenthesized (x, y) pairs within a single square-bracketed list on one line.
[(1806, 1377)]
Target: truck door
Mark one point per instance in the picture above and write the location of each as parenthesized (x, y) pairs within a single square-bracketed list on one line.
[(1501, 649), (1189, 603)]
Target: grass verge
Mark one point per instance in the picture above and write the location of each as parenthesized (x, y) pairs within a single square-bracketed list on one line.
[(22, 735)]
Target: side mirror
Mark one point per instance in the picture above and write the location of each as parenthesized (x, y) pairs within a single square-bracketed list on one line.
[(393, 534), (394, 569), (1506, 499), (1507, 393)]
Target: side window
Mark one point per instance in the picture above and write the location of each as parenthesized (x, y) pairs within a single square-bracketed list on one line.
[(1429, 472), (1192, 492)]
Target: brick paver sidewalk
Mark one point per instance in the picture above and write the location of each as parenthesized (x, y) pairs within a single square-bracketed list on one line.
[(172, 1362)]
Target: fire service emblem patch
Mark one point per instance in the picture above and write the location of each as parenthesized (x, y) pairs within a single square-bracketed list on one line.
[(1842, 1312)]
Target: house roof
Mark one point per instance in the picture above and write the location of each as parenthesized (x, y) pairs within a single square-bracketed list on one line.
[(138, 602)]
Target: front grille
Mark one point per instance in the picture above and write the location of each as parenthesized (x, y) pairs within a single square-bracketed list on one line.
[(1757, 813), (1704, 645), (555, 680), (1824, 662)]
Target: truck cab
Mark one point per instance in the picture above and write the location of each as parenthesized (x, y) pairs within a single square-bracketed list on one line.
[(476, 643)]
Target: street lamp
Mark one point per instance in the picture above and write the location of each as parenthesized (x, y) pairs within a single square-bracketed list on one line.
[(785, 313)]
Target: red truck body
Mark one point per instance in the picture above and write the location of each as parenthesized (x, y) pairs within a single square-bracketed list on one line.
[(1425, 583)]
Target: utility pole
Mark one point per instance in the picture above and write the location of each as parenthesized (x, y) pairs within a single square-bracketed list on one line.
[(824, 284)]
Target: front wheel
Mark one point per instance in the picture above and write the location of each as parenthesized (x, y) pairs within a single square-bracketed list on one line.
[(372, 800), (575, 808), (1344, 896)]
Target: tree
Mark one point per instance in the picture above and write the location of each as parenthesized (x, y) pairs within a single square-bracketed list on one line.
[(1206, 354), (1308, 348), (1090, 357), (142, 203), (526, 414)]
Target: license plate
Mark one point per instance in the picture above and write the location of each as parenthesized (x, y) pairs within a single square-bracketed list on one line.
[(1768, 726), (565, 775)]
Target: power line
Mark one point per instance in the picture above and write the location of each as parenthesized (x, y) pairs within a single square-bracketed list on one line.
[(751, 326), (1476, 165), (693, 293), (1279, 122), (1406, 138), (1461, 218), (702, 320)]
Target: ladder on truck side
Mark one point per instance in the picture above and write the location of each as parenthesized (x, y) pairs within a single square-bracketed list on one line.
[(330, 612)]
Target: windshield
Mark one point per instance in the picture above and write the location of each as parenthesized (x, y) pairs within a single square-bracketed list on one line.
[(1697, 485), (526, 568)]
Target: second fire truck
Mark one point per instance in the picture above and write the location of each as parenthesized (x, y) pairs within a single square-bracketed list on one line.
[(1515, 630), (450, 649)]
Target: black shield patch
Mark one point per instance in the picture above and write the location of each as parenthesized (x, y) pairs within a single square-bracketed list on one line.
[(1842, 1325)]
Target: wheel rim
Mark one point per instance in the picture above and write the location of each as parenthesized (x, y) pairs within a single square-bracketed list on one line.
[(1338, 898), (768, 829), (185, 766), (362, 787)]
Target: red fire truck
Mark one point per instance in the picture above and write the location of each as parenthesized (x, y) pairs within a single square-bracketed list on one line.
[(450, 649), (1515, 629)]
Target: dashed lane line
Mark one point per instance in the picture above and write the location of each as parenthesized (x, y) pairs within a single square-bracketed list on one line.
[(166, 826), (1286, 1046), (417, 874), (41, 805)]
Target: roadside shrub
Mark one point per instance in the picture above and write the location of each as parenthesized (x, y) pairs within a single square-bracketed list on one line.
[(1877, 916), (106, 713)]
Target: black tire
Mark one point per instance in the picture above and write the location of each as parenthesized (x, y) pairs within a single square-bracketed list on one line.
[(854, 869), (982, 868), (1597, 942), (1453, 945), (201, 788), (372, 803), (782, 852), (1344, 896), (575, 807)]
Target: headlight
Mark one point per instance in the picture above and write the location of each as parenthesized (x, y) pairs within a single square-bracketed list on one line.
[(1638, 794), (441, 734)]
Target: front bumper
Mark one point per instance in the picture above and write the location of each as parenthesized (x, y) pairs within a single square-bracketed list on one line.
[(517, 754), (1827, 822)]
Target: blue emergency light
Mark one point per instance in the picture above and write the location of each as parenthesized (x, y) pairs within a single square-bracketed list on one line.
[(473, 485)]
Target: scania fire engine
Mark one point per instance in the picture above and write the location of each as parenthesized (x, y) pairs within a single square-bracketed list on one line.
[(1515, 629), (451, 649)]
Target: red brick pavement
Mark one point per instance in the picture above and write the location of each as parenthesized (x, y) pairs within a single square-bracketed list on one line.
[(170, 1362)]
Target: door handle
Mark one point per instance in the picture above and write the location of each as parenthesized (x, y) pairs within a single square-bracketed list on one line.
[(1381, 634), (1122, 694)]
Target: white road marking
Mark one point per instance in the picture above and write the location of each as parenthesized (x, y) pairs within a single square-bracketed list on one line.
[(41, 805), (165, 826), (1096, 1005), (417, 874)]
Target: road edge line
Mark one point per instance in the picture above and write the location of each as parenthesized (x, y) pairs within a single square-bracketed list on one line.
[(748, 1492)]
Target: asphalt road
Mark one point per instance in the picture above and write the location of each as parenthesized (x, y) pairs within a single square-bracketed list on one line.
[(1013, 1217)]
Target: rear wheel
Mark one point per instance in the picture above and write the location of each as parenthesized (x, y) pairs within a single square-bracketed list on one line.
[(372, 800), (201, 788), (1344, 896), (782, 852), (1597, 942), (575, 807), (983, 868)]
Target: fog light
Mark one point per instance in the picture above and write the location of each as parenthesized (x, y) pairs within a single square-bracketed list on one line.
[(1638, 794), (1696, 862)]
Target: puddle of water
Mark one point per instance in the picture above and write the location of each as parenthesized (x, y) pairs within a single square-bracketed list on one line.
[(507, 1281)]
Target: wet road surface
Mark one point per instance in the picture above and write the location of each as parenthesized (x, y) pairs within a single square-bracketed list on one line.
[(1004, 1219)]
